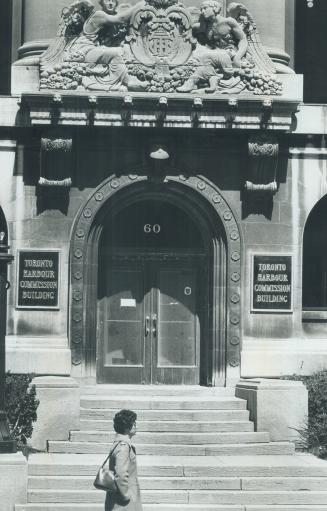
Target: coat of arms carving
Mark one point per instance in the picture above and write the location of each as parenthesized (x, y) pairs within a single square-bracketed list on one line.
[(161, 33), (158, 46)]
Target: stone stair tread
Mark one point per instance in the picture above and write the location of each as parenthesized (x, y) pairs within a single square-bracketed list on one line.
[(97, 425), (190, 496), (137, 445), (299, 465), (298, 507), (211, 411), (175, 437), (197, 492), (157, 397), (163, 402), (160, 390), (180, 449), (182, 482), (152, 415), (174, 433), (245, 465), (146, 483), (148, 478), (170, 507), (262, 497), (303, 460), (183, 477), (146, 507), (168, 422)]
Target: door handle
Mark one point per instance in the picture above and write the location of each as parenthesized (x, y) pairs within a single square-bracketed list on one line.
[(154, 324), (147, 326)]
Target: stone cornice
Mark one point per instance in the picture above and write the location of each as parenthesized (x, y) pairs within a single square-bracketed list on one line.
[(158, 110)]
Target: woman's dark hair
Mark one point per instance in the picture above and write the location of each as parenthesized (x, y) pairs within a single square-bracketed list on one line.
[(124, 420)]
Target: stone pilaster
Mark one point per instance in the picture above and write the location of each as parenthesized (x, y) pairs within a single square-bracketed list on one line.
[(40, 19)]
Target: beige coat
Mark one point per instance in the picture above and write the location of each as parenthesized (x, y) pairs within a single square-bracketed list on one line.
[(123, 464)]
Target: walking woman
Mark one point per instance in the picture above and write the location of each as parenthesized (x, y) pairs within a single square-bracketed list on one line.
[(123, 464)]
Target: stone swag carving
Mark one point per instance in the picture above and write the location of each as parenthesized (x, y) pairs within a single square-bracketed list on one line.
[(158, 46)]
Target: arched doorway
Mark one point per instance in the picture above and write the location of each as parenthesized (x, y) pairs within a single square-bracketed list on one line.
[(152, 294), (155, 275), (314, 287)]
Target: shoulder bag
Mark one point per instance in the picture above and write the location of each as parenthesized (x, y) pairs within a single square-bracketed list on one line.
[(105, 479)]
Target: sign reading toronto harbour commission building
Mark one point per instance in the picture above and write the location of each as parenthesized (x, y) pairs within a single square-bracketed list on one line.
[(38, 279), (272, 283)]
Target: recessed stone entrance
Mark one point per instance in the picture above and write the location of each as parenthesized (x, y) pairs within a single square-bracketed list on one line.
[(210, 338)]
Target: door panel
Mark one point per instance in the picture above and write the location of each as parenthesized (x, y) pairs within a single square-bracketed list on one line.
[(124, 316), (177, 331), (121, 346), (149, 329), (176, 318), (176, 344)]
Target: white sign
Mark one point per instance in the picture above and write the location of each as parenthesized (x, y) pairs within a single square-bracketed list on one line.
[(127, 302)]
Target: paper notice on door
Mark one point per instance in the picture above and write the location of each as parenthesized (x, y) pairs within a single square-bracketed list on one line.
[(127, 302)]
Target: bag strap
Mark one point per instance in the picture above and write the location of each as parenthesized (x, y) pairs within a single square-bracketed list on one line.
[(111, 452)]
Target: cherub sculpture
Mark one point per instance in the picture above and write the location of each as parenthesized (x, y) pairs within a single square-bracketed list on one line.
[(87, 50), (222, 46), (229, 53)]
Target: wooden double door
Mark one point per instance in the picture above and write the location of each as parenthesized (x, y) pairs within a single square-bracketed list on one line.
[(149, 321)]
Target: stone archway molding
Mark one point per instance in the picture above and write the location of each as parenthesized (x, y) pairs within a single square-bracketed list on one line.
[(82, 233)]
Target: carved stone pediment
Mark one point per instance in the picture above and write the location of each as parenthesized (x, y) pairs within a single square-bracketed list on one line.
[(159, 46)]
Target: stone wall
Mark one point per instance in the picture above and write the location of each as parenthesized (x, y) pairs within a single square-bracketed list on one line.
[(290, 343), (273, 343)]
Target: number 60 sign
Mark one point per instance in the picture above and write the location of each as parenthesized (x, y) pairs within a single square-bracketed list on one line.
[(149, 228)]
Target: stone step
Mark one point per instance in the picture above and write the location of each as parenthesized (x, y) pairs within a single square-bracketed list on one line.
[(299, 465), (187, 483), (189, 497), (172, 426), (169, 415), (146, 507), (305, 507), (156, 390), (174, 438), (169, 403), (170, 507), (263, 448), (259, 498), (146, 483), (284, 483)]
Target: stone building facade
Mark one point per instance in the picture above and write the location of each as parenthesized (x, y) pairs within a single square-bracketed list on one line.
[(165, 236)]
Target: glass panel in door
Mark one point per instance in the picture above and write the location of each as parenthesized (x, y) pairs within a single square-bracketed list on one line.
[(176, 327), (122, 326)]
